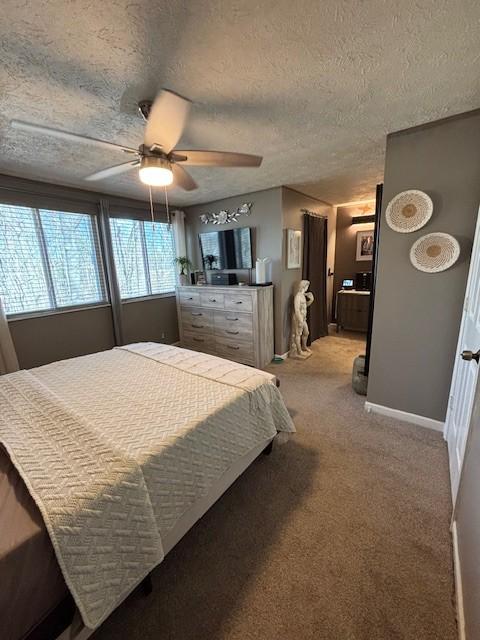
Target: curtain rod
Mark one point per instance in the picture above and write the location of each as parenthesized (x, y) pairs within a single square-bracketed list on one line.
[(312, 213)]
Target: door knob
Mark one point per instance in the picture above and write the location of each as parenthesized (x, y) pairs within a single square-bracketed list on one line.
[(469, 355)]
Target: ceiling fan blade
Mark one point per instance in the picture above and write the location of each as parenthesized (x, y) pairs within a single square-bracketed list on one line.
[(183, 179), (113, 171), (66, 135), (217, 158), (166, 120)]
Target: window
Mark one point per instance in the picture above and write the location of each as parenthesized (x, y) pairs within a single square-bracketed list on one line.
[(48, 260), (144, 255)]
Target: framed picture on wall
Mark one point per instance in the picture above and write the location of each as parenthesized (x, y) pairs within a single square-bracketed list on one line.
[(364, 245), (294, 248)]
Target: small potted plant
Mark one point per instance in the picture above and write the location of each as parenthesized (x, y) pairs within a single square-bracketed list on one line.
[(184, 263), (210, 260)]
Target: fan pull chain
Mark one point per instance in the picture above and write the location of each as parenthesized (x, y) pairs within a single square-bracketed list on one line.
[(152, 214), (151, 205)]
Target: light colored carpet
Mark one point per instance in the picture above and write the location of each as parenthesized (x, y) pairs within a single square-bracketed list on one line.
[(341, 534)]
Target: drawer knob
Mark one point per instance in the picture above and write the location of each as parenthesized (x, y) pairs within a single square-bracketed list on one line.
[(238, 302), (229, 346), (197, 326), (232, 319), (233, 333), (197, 314), (190, 298), (199, 339), (212, 299)]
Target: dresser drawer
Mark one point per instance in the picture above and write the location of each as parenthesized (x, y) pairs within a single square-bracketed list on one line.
[(229, 323), (213, 299), (238, 350), (189, 298), (238, 301), (196, 315), (197, 327), (199, 341)]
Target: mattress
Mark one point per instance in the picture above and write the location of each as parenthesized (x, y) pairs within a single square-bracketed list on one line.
[(207, 410)]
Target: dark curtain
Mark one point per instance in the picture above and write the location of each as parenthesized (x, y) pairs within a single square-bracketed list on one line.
[(315, 270)]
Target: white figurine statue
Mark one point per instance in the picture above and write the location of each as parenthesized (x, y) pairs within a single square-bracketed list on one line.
[(300, 332)]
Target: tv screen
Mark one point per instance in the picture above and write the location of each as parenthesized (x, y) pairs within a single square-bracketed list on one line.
[(229, 249)]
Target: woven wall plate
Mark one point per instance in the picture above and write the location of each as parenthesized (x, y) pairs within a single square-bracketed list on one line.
[(434, 252), (409, 211)]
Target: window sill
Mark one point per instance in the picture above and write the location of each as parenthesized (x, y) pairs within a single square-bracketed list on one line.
[(55, 312), (155, 296)]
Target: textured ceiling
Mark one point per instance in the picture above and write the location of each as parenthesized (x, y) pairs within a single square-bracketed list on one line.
[(313, 86)]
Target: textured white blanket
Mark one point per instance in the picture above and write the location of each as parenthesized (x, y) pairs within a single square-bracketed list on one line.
[(116, 446)]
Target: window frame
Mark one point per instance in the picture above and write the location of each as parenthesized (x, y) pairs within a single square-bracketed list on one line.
[(97, 246), (146, 264)]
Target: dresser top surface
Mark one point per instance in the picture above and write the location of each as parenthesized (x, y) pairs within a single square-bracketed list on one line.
[(230, 287)]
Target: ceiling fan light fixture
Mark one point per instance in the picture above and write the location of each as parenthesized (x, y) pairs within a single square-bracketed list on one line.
[(156, 172)]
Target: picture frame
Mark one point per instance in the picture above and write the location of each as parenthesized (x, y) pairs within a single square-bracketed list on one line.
[(199, 277), (294, 248), (365, 245)]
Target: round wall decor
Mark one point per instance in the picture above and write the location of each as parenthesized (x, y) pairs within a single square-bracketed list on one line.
[(409, 211), (434, 252)]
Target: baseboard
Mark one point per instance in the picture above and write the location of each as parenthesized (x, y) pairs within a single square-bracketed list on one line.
[(457, 569), (413, 418)]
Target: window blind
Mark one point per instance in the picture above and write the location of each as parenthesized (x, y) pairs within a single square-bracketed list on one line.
[(144, 255), (48, 260)]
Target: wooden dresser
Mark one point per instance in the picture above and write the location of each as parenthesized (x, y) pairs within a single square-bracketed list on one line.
[(352, 310), (231, 322)]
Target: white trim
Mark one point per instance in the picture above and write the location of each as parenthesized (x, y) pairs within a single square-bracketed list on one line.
[(457, 569), (283, 357), (413, 418)]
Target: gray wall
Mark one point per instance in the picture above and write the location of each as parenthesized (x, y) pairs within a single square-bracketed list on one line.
[(43, 339), (468, 526), (292, 204), (346, 265), (417, 315), (266, 219), (153, 320)]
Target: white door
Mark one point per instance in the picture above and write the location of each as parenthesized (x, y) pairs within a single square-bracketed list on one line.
[(466, 369)]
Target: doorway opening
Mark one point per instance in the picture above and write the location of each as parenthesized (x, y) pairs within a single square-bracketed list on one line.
[(354, 276)]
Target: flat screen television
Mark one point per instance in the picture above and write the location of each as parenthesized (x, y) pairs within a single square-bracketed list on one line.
[(229, 249)]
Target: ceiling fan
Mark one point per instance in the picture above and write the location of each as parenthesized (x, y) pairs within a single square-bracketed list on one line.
[(159, 163)]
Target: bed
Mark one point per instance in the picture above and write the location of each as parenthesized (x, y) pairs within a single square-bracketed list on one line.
[(106, 461)]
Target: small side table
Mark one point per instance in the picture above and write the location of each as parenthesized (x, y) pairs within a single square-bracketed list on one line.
[(352, 310)]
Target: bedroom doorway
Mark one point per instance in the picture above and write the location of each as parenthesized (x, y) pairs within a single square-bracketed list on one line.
[(356, 244)]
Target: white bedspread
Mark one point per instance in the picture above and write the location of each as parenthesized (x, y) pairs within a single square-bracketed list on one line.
[(115, 447)]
